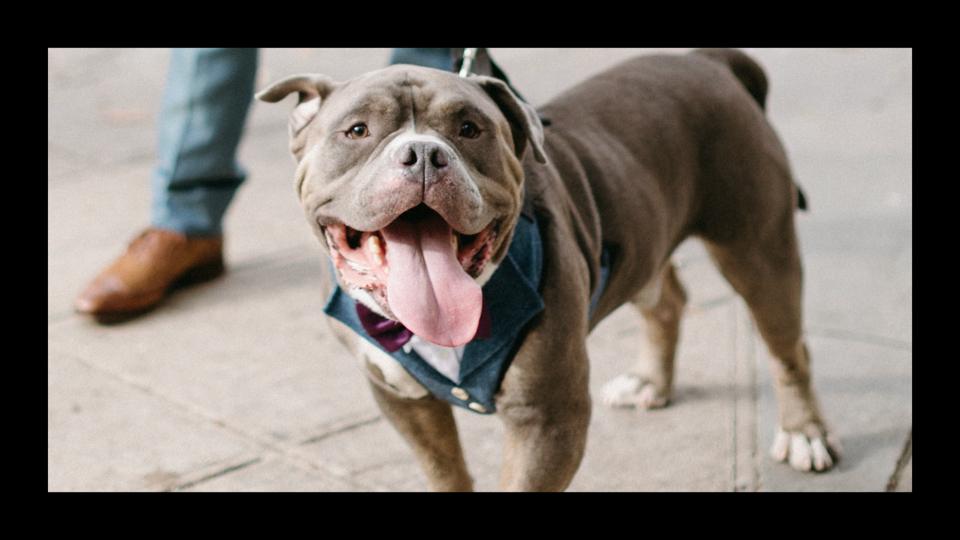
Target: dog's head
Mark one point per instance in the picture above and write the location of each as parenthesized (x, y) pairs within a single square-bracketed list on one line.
[(411, 177)]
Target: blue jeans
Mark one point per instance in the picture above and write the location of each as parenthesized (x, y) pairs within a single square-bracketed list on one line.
[(204, 108)]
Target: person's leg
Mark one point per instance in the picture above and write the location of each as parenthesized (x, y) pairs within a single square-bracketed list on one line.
[(435, 58), (204, 109)]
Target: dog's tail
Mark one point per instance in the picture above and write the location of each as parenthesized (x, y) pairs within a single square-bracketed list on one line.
[(744, 68), (752, 77)]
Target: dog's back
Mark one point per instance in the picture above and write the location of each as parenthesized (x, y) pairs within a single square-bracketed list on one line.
[(744, 68), (668, 146)]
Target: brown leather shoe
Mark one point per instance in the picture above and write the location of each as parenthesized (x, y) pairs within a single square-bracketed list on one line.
[(156, 262)]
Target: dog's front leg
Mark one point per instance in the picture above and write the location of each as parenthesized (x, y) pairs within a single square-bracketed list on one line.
[(543, 448), (546, 431), (428, 426)]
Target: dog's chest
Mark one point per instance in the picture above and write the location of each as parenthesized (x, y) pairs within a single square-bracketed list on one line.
[(393, 373), (445, 360)]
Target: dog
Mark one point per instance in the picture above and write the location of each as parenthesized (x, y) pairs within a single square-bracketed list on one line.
[(475, 242)]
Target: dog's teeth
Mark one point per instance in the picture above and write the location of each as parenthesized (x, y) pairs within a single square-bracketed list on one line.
[(373, 244), (375, 249), (355, 266)]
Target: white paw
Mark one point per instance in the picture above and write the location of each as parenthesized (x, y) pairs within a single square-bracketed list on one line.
[(631, 391), (803, 453)]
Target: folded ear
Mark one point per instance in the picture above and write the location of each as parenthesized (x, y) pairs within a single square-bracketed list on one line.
[(525, 124), (311, 89)]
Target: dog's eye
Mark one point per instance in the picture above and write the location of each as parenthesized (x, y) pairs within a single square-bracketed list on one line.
[(469, 130), (358, 131)]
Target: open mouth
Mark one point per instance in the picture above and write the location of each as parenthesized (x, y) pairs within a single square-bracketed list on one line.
[(419, 269)]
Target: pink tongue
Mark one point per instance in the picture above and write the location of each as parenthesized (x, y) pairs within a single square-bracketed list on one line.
[(427, 288)]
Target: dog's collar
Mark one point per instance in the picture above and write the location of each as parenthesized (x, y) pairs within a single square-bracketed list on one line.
[(513, 298)]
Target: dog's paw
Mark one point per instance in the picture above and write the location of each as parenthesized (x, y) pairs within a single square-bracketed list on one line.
[(634, 392), (803, 453)]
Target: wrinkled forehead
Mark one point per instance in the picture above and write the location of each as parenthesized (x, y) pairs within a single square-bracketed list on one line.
[(416, 89)]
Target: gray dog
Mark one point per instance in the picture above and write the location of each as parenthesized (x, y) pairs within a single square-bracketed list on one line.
[(472, 249)]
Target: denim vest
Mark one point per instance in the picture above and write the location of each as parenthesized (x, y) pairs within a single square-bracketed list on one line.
[(513, 299)]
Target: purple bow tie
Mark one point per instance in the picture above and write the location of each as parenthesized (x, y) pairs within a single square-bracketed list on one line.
[(392, 335)]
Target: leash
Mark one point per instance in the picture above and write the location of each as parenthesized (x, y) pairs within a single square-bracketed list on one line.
[(468, 57)]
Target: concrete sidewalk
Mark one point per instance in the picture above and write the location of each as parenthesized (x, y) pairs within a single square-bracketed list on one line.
[(236, 385)]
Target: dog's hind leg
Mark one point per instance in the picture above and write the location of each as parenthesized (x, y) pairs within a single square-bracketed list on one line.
[(650, 383), (764, 267), (428, 426)]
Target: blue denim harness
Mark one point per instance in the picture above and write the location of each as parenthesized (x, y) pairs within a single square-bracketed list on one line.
[(513, 298)]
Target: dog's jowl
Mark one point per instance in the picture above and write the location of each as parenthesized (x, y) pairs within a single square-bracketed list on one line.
[(471, 249)]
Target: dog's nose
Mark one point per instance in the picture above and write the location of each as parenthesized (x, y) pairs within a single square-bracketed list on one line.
[(417, 154)]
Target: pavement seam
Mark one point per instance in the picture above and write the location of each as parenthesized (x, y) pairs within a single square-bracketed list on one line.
[(711, 303), (395, 462), (121, 167), (906, 455), (216, 474), (342, 429), (735, 431), (79, 163), (59, 317), (860, 337), (286, 451), (746, 472), (754, 405)]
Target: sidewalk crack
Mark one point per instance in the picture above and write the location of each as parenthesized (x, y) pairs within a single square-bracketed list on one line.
[(344, 429), (746, 471), (291, 452), (216, 474), (906, 455), (861, 337)]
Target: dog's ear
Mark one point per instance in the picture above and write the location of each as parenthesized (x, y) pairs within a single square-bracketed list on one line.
[(311, 90), (524, 122)]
